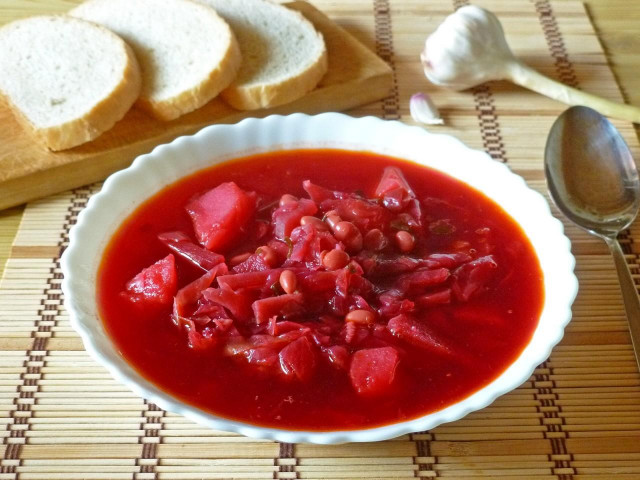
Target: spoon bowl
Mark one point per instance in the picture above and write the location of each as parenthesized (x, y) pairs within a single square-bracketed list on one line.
[(593, 180), (591, 173)]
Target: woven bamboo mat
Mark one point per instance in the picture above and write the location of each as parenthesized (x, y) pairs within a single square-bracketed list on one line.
[(577, 417)]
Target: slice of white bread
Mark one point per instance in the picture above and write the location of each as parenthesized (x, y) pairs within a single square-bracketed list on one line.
[(284, 57), (66, 79), (187, 53)]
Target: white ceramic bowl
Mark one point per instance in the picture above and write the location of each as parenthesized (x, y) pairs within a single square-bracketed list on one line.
[(124, 191)]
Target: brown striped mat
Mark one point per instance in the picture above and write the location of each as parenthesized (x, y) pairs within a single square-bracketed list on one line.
[(577, 417)]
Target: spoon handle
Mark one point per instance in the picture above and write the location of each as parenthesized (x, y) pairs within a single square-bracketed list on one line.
[(629, 294)]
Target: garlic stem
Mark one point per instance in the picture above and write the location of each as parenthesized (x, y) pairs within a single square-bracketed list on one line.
[(527, 77)]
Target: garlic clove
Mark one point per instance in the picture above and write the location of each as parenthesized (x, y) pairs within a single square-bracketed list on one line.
[(423, 110), (467, 49)]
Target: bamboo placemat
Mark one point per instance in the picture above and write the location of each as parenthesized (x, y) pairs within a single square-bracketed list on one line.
[(577, 417)]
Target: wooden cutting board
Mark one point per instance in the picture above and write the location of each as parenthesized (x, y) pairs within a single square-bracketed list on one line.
[(28, 170)]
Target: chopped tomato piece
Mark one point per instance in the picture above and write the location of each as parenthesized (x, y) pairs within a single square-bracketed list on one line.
[(298, 359), (373, 370), (221, 215), (182, 245), (471, 277), (255, 263), (337, 355), (392, 303), (446, 260), (421, 279), (284, 305), (261, 280), (266, 357), (391, 181), (308, 243), (188, 294), (154, 285), (317, 193), (365, 214), (210, 335), (236, 301), (288, 216), (441, 297), (417, 333)]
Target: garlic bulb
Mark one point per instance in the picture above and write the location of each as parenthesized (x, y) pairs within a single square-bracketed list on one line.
[(469, 48), (423, 110)]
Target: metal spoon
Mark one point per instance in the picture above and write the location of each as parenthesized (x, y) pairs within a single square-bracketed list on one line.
[(593, 180)]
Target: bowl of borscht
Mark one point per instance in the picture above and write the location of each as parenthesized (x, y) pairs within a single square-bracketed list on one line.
[(321, 279)]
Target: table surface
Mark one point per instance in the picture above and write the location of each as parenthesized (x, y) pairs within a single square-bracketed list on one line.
[(616, 21), (578, 416)]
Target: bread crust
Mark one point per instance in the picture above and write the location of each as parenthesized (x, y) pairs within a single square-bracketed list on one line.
[(272, 94), (201, 93), (102, 116), (255, 97)]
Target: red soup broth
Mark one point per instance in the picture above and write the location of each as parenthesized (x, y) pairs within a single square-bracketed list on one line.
[(488, 331)]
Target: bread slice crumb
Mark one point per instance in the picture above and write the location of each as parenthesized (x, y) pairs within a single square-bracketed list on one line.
[(187, 53), (67, 80), (284, 57)]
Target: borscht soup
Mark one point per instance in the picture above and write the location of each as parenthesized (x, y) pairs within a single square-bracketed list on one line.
[(320, 290)]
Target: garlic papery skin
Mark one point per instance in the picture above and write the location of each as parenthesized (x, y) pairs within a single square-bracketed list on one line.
[(423, 110), (467, 49)]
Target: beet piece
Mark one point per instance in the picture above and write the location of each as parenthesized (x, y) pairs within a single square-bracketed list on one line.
[(286, 326), (197, 340), (364, 214), (155, 285), (288, 216), (188, 294), (414, 210), (373, 370), (221, 215), (281, 249), (320, 339), (302, 239), (393, 179), (250, 280), (266, 357), (472, 276), (386, 265), (237, 302), (416, 333), (421, 279), (320, 194), (337, 356), (283, 305), (308, 243), (354, 334), (298, 359), (210, 335), (392, 303), (182, 245), (445, 260), (255, 263), (395, 200), (441, 297), (319, 281), (209, 309)]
